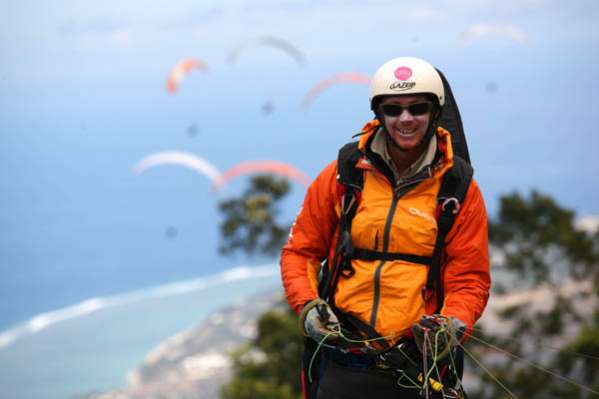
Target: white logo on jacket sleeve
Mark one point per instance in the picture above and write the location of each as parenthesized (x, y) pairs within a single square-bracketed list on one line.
[(418, 212)]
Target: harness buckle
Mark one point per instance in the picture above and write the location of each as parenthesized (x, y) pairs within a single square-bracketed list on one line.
[(347, 203), (447, 201)]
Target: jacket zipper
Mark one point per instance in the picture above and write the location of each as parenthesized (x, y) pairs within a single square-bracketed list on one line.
[(398, 192)]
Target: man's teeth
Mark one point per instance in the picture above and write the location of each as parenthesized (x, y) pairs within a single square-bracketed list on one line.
[(406, 132)]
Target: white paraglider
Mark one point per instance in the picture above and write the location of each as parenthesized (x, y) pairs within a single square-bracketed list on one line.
[(179, 158), (270, 41)]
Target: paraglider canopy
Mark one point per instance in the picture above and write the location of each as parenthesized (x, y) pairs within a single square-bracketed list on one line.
[(275, 167), (451, 120), (271, 41), (180, 70), (343, 77), (179, 158)]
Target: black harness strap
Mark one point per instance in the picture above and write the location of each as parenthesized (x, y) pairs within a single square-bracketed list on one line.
[(359, 330), (367, 254), (451, 194), (350, 180)]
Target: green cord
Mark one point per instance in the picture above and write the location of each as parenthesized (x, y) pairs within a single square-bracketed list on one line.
[(316, 353), (429, 372), (415, 384)]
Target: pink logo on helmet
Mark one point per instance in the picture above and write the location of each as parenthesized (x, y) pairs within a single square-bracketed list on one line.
[(403, 73)]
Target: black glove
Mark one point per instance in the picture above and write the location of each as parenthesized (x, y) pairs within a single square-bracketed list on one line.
[(318, 321), (437, 335)]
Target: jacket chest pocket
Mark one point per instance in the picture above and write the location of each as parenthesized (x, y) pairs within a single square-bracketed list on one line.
[(413, 230)]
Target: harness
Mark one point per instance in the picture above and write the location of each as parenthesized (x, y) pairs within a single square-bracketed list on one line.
[(350, 182)]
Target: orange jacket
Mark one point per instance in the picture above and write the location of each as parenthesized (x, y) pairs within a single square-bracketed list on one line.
[(388, 294)]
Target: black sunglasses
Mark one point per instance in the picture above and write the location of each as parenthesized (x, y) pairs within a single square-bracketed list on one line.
[(414, 109)]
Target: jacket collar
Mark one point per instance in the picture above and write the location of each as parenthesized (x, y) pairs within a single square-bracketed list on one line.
[(442, 162)]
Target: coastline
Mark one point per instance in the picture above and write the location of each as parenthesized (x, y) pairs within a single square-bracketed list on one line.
[(94, 350)]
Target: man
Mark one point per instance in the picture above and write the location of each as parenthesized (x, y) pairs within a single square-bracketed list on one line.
[(394, 280)]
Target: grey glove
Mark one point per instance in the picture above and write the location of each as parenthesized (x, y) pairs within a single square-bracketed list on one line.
[(437, 335), (318, 321)]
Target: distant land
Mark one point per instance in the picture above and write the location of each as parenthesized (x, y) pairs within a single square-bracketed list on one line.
[(195, 363)]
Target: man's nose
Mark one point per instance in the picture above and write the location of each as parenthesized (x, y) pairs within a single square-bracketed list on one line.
[(405, 115)]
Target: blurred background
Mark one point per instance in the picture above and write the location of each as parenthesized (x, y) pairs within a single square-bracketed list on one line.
[(104, 252)]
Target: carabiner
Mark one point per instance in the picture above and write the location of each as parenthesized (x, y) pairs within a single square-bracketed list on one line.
[(453, 200)]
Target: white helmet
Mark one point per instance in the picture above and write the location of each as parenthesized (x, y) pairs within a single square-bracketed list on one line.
[(406, 75)]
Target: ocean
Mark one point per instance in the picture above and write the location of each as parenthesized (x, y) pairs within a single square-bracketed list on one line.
[(90, 346)]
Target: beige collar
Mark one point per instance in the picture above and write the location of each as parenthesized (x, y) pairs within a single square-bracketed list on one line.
[(379, 146)]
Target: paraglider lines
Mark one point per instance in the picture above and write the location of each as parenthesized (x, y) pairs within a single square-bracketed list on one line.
[(533, 364)]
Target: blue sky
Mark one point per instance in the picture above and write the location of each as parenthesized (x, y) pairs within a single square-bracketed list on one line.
[(82, 98)]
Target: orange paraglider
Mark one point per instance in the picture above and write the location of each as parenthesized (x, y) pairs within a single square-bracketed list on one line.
[(274, 167), (343, 77), (183, 68)]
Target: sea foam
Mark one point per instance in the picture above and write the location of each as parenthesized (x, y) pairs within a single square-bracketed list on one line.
[(44, 320)]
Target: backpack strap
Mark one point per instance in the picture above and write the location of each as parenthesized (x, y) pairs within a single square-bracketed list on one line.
[(347, 173), (451, 195), (349, 188)]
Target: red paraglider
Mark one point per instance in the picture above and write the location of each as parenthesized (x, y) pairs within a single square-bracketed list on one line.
[(274, 167), (183, 68), (343, 77)]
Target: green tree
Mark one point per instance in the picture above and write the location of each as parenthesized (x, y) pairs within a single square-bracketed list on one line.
[(268, 367), (250, 222), (539, 246), (539, 240)]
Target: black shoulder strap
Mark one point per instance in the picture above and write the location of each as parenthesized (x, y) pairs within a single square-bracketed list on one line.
[(350, 181), (454, 187), (347, 173)]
